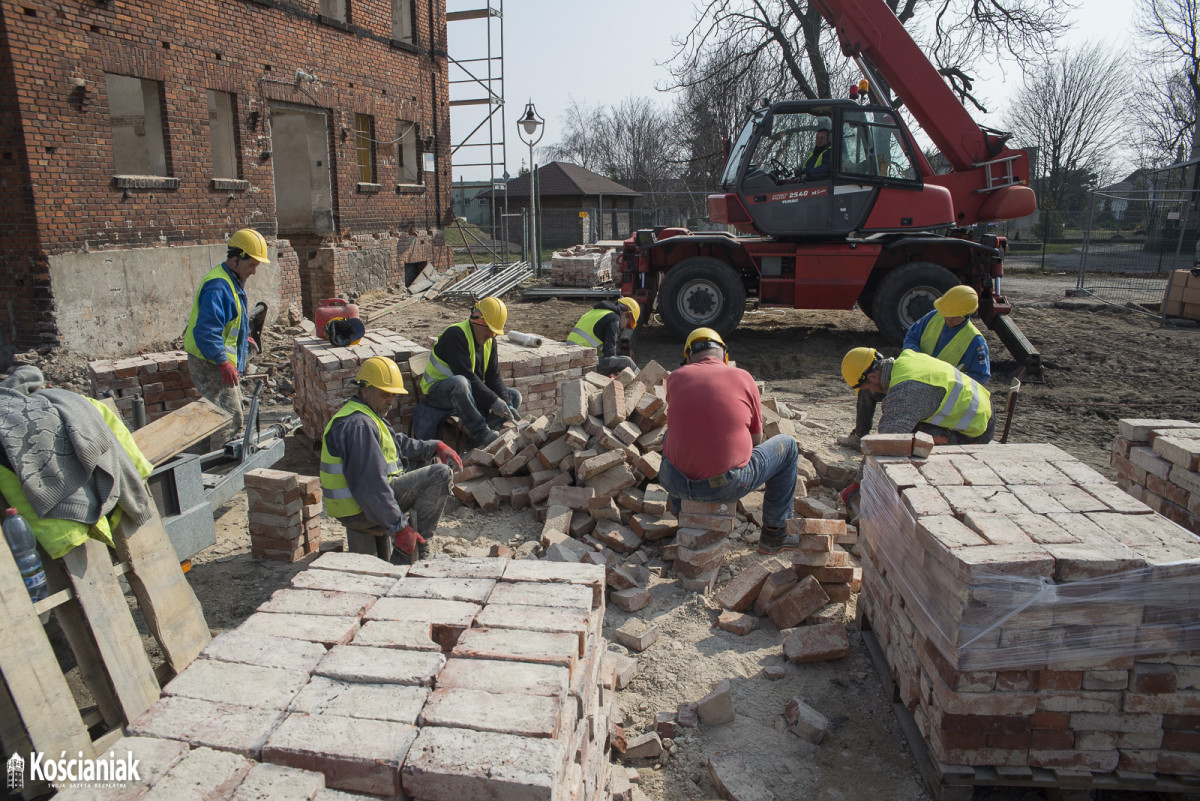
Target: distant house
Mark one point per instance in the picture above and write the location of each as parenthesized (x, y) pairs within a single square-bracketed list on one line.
[(471, 204), (1115, 197), (578, 206)]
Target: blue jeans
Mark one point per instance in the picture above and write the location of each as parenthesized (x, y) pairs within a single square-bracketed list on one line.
[(772, 463), (454, 393)]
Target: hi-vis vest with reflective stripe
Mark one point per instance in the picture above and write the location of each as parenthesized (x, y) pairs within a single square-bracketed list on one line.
[(59, 536), (967, 406), (339, 501), (583, 334), (955, 349), (230, 333), (437, 370)]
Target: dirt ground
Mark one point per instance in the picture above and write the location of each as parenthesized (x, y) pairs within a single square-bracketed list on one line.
[(1103, 363)]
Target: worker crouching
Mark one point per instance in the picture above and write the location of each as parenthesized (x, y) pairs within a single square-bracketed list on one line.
[(713, 449), (601, 329), (363, 479)]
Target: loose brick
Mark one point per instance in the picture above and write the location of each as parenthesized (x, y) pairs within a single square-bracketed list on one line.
[(816, 643), (739, 594), (630, 600), (804, 721), (803, 599), (716, 707), (637, 635), (737, 623)]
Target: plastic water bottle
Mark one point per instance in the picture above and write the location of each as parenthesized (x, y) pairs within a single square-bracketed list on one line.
[(24, 549)]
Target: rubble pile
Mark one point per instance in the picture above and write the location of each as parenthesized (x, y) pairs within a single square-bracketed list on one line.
[(1158, 462), (452, 679), (1032, 613)]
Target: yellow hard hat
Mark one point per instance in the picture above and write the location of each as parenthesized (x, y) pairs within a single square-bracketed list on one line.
[(251, 243), (382, 373), (856, 363), (494, 313), (703, 335), (634, 308), (959, 301)]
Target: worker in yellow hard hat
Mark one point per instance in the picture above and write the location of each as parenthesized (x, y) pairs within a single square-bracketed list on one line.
[(217, 335), (945, 333), (601, 328), (463, 375), (921, 393), (387, 511), (714, 450)]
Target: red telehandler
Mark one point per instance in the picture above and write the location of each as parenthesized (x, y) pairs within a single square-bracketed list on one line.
[(866, 221)]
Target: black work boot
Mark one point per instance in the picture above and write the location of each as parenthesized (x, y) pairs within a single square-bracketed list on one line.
[(776, 540)]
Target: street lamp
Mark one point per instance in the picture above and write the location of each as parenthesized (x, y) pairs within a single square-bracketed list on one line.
[(529, 128)]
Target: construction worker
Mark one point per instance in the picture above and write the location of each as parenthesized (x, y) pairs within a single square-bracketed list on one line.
[(713, 449), (921, 393), (946, 333), (816, 166), (217, 336), (362, 478), (601, 329), (464, 373)]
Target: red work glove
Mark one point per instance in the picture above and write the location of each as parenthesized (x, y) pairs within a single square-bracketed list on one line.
[(407, 539), (253, 344), (229, 375), (447, 455)]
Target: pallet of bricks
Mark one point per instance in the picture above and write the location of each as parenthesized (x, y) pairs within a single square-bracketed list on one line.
[(581, 266), (449, 680), (162, 379), (1158, 462), (1039, 624), (1182, 297)]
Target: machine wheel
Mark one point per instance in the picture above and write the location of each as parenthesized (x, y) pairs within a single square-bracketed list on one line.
[(702, 292), (906, 294)]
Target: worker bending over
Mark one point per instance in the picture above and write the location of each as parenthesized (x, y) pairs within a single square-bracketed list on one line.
[(946, 333), (464, 373), (713, 450), (921, 393), (217, 336), (363, 479), (601, 329)]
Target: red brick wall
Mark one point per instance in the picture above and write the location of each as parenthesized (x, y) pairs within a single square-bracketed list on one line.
[(58, 149)]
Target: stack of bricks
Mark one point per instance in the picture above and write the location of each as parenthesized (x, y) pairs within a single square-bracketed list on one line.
[(449, 680), (324, 376), (161, 379), (1158, 462), (1032, 613), (537, 373), (284, 514), (581, 267), (703, 541)]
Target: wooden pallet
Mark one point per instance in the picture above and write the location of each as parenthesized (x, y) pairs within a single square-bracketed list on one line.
[(958, 782), (38, 711)]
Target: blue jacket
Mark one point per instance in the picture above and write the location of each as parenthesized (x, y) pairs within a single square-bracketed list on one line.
[(976, 361), (216, 308)]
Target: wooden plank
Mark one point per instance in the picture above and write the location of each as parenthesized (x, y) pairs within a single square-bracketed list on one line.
[(39, 692), (167, 601), (174, 433), (90, 569), (16, 740)]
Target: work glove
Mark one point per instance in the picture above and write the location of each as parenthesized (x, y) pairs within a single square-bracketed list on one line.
[(505, 412), (253, 343), (447, 455), (407, 539), (229, 374)]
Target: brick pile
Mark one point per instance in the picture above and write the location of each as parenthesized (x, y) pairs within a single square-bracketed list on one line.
[(452, 679), (537, 373), (1032, 613), (581, 266), (161, 379), (1158, 462), (284, 514)]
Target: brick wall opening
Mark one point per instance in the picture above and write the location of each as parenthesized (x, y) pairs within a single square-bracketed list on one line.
[(412, 269), (135, 116), (222, 139), (300, 157)]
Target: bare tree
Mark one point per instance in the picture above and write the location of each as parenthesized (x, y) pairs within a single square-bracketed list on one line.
[(1073, 109), (581, 141), (1167, 30)]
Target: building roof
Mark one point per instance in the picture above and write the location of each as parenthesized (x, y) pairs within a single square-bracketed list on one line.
[(565, 179)]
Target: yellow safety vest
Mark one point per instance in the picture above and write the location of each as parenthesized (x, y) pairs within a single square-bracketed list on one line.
[(59, 536), (437, 370), (339, 500), (956, 348), (583, 333), (966, 407), (229, 333)]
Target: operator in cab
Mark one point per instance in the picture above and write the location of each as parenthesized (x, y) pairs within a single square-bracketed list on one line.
[(946, 333), (601, 329), (817, 165)]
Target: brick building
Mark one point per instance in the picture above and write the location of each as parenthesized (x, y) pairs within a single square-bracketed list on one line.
[(135, 138)]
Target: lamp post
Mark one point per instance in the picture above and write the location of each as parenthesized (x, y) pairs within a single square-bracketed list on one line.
[(529, 128)]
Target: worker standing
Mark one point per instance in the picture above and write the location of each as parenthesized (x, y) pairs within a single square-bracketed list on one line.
[(713, 449), (946, 333), (217, 336), (921, 393), (463, 374), (601, 329), (363, 479)]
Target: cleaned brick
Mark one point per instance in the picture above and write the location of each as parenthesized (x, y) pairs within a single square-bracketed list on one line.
[(355, 754), (325, 696)]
